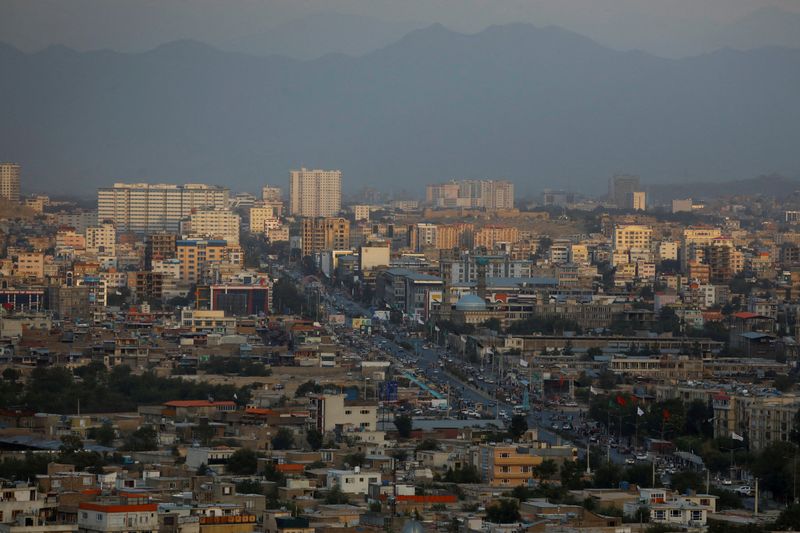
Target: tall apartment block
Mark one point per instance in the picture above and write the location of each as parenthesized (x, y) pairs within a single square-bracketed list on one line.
[(315, 193), (621, 188), (9, 181), (144, 207), (330, 233), (489, 194)]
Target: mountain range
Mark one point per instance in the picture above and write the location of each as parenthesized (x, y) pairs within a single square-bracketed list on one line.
[(544, 107)]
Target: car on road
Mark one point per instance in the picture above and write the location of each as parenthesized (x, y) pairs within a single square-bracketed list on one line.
[(744, 490)]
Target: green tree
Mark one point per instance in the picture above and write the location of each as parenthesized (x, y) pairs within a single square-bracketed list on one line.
[(404, 425), (249, 486), (466, 474), (143, 439), (335, 496), (518, 426), (307, 387), (503, 511), (546, 469), (70, 444), (355, 459), (11, 374), (104, 434), (283, 440), (243, 462), (314, 438), (427, 444)]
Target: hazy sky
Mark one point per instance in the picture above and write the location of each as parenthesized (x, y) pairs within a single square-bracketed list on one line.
[(668, 27)]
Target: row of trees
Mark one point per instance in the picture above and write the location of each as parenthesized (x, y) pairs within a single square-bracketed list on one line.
[(58, 390)]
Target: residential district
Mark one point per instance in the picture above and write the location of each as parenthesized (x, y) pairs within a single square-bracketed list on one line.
[(185, 359)]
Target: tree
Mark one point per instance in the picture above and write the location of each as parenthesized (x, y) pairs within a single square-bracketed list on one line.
[(546, 469), (503, 511), (404, 424), (143, 439), (789, 519), (427, 444), (335, 496), (202, 470), (283, 440), (103, 435), (11, 374), (243, 462), (493, 324), (249, 486), (314, 438), (687, 480), (518, 427), (305, 388), (70, 444), (355, 459), (204, 432), (467, 474)]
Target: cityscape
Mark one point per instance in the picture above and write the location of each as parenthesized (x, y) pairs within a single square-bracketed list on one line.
[(399, 267)]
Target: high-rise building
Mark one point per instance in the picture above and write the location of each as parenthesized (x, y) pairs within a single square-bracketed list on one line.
[(638, 201), (9, 181), (270, 193), (144, 207), (315, 193), (263, 218), (319, 234), (214, 224), (488, 194), (101, 239), (620, 187)]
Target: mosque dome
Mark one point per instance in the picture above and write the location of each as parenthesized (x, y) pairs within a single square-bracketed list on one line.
[(470, 302)]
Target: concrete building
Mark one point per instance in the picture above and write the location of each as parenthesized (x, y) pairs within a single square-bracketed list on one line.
[(352, 481), (488, 194), (638, 201), (490, 236), (29, 265), (263, 218), (320, 234), (221, 224), (101, 240), (373, 256), (629, 237), (209, 321), (361, 212), (315, 193), (9, 181), (196, 255), (144, 207), (682, 205), (123, 515), (332, 411), (620, 187)]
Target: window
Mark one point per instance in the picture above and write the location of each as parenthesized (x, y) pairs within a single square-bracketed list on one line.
[(675, 513)]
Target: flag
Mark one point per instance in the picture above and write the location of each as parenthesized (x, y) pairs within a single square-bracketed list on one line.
[(736, 436), (436, 328), (235, 396), (593, 390), (620, 401), (665, 413), (639, 411)]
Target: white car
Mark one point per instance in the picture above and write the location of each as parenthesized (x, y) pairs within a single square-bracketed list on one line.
[(744, 490)]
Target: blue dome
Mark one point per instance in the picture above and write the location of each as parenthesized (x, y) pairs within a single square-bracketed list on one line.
[(470, 302)]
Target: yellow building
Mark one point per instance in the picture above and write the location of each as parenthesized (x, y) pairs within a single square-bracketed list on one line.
[(195, 255), (330, 233), (489, 236), (507, 466), (632, 237)]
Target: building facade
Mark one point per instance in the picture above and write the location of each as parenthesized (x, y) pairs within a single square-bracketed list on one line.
[(315, 193)]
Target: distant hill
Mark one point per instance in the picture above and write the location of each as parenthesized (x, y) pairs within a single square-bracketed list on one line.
[(772, 185), (541, 106)]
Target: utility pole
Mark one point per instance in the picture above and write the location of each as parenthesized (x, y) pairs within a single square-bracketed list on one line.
[(755, 504), (588, 454)]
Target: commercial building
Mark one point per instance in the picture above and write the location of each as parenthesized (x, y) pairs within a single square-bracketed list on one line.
[(488, 194), (621, 187), (333, 411), (144, 207), (221, 224), (158, 247), (196, 256), (373, 256), (330, 233), (315, 193), (123, 515), (638, 201), (490, 236), (263, 218), (101, 240), (9, 181), (629, 237), (208, 321)]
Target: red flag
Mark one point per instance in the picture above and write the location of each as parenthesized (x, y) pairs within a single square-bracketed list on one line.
[(561, 381), (620, 401), (665, 414)]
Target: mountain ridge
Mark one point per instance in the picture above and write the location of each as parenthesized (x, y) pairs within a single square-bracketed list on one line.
[(516, 101)]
